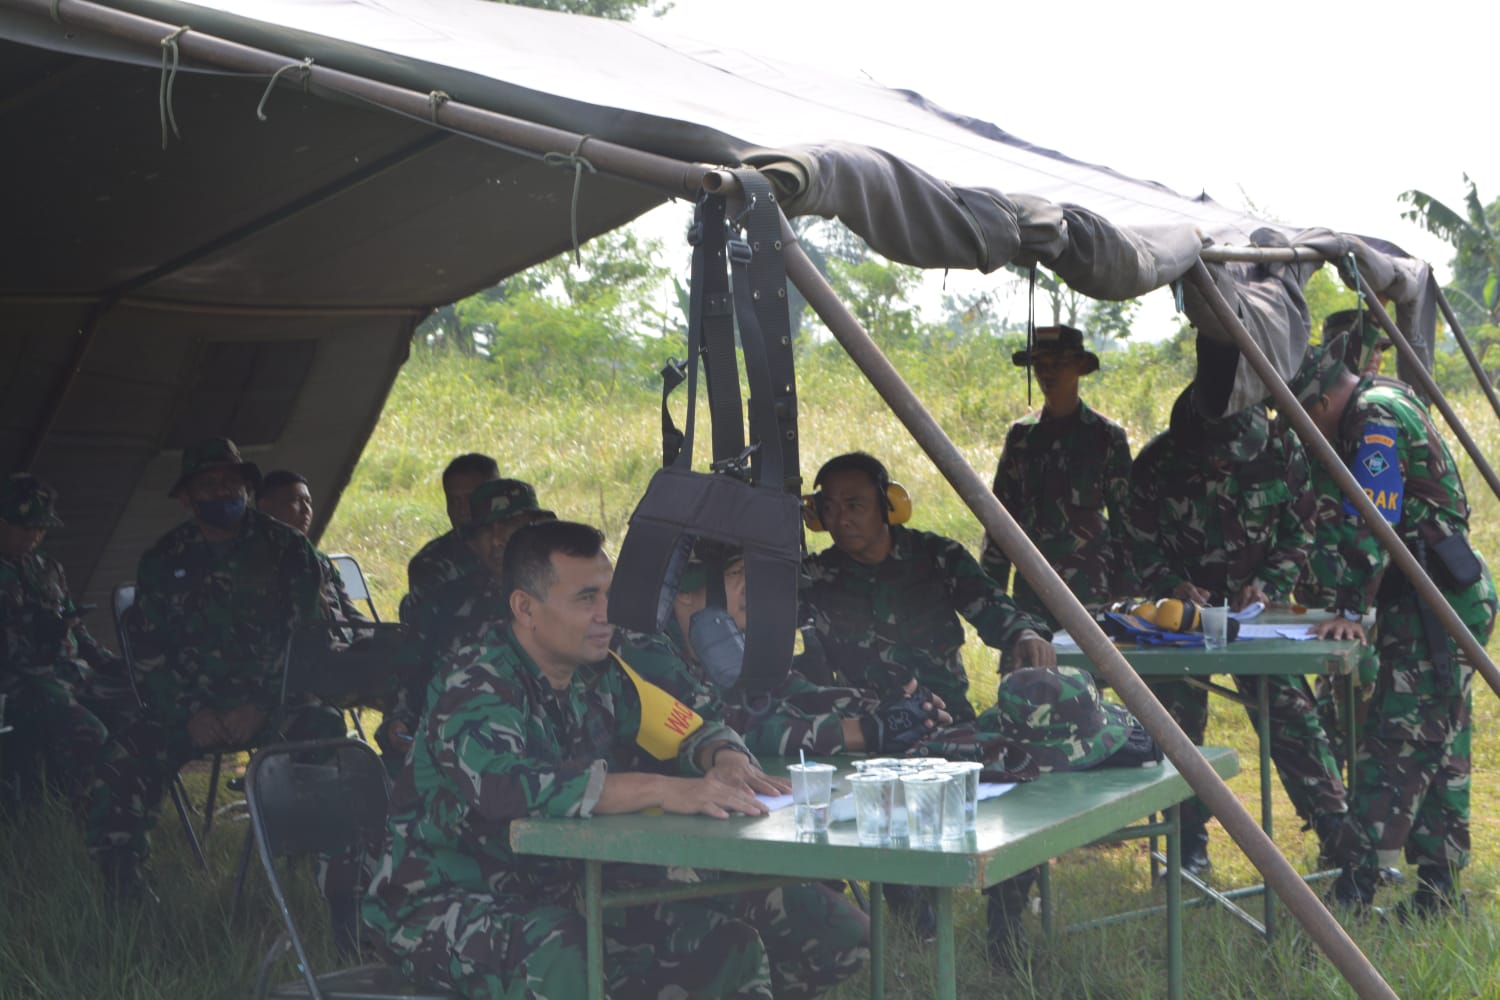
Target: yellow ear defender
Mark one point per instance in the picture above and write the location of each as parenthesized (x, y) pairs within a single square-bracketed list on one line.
[(1178, 616), (897, 502)]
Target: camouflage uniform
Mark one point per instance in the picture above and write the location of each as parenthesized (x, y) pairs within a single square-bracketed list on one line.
[(1222, 504), (1413, 763), (449, 556), (338, 606), (1057, 476), (57, 680), (215, 623), (455, 906), (797, 715), (881, 625)]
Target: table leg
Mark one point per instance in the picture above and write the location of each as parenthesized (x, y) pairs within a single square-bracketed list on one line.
[(1263, 727), (1174, 903), (877, 941), (1351, 726), (593, 908), (1044, 890), (947, 956)]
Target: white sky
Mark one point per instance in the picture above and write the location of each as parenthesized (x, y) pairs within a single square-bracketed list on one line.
[(1267, 104)]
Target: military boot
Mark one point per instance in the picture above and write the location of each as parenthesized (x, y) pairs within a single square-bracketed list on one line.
[(1195, 859), (1437, 895), (1354, 890)]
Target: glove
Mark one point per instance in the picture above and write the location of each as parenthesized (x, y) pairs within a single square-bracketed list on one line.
[(898, 723)]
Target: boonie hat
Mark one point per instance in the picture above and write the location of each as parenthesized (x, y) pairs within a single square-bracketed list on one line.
[(502, 499), (1058, 714), (1056, 340), (214, 453), (27, 501)]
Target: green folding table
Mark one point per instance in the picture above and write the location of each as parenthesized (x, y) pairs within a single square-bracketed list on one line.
[(1260, 658), (1018, 830)]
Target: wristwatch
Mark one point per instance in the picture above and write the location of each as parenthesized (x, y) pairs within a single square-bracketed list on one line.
[(1352, 616)]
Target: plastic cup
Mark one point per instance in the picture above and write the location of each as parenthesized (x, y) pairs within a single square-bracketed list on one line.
[(967, 774), (954, 825), (924, 808), (1215, 626), (812, 792), (874, 793)]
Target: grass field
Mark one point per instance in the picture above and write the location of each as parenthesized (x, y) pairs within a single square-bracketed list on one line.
[(589, 458)]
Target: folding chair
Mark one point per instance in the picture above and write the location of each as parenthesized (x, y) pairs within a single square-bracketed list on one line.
[(355, 584), (123, 605), (335, 805)]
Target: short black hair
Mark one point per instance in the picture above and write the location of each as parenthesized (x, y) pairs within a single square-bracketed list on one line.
[(528, 554), (276, 479), (471, 464), (855, 461)]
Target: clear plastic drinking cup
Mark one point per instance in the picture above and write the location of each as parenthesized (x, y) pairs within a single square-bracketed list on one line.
[(967, 772), (924, 808), (1215, 626), (812, 792), (874, 794)]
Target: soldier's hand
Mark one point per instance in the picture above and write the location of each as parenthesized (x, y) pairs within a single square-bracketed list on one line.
[(205, 729), (1339, 628), (242, 722), (1188, 592), (706, 797), (1031, 650), (1248, 595), (739, 771)]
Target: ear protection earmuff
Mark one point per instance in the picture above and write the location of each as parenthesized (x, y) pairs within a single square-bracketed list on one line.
[(897, 507)]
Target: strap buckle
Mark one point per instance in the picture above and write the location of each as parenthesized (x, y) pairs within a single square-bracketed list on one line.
[(739, 251), (738, 465)]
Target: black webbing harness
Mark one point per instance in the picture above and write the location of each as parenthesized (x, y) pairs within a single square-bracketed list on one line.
[(750, 499)]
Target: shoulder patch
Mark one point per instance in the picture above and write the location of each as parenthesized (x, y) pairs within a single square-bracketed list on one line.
[(1378, 471)]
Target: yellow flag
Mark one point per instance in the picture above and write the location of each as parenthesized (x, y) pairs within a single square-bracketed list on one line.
[(665, 721)]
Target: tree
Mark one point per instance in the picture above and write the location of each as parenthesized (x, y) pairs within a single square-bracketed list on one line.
[(614, 10), (1475, 289)]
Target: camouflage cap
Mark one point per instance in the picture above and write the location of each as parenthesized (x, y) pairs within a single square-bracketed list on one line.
[(1056, 340), (1057, 713), (1321, 367), (27, 501), (214, 453), (502, 499)]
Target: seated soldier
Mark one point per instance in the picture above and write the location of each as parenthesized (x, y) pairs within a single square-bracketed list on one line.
[(284, 495), (540, 709), (63, 691), (498, 508), (219, 597), (886, 599), (448, 556), (798, 715)]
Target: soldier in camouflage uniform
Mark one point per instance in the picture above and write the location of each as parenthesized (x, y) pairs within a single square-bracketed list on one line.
[(534, 718), (1221, 510), (448, 556), (798, 715), (284, 495), (57, 680), (1413, 760), (498, 508), (886, 599), (1061, 469), (218, 598)]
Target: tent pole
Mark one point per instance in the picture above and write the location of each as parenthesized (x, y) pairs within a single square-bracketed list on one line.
[(1263, 853), (1429, 386), (1463, 343), (1313, 438), (64, 382)]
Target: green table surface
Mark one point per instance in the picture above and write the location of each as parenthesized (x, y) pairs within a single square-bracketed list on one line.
[(1247, 657), (1024, 827)]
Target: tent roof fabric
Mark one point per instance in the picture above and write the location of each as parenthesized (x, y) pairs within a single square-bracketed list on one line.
[(227, 279)]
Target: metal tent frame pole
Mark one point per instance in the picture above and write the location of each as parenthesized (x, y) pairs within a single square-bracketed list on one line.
[(1287, 404), (1463, 343), (971, 487)]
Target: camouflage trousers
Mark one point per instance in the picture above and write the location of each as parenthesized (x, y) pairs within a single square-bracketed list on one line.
[(1412, 766), (139, 762), (54, 727), (793, 942), (1299, 746), (1331, 695)]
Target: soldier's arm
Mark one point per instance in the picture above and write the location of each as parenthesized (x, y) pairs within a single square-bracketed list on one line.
[(1117, 506), (1007, 489), (162, 642), (1287, 558), (31, 639), (1363, 555), (1154, 572), (980, 600)]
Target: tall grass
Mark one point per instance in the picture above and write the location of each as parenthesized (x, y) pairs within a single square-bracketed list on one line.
[(589, 457)]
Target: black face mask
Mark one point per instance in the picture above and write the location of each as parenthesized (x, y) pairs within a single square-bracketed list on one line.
[(220, 512), (719, 644)]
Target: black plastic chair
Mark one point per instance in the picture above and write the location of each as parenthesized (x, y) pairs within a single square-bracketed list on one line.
[(319, 797)]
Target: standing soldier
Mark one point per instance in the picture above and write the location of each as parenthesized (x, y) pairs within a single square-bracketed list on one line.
[(448, 556), (219, 596), (1221, 511), (52, 672), (1061, 469), (1413, 762)]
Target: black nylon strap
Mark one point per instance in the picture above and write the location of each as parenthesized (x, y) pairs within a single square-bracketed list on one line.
[(716, 312), (672, 439)]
